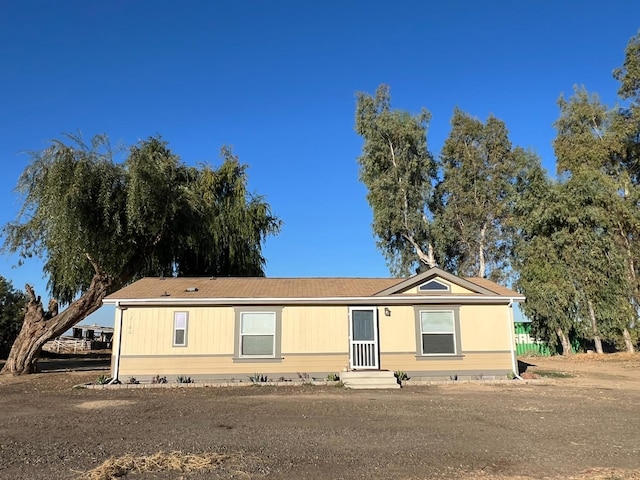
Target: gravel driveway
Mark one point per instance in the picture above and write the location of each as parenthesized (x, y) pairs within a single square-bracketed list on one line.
[(582, 421)]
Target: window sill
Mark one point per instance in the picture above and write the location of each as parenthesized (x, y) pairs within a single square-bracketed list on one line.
[(258, 360), (439, 357)]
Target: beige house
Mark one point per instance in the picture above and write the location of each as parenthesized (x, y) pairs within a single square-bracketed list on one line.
[(432, 325)]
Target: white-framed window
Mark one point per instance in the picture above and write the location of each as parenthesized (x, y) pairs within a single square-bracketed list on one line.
[(437, 332), (257, 334), (180, 322), (434, 286)]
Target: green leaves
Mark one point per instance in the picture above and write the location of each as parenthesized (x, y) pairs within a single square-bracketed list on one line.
[(149, 215), (398, 170), (12, 304)]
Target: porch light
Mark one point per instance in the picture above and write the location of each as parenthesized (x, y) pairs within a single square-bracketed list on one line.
[(387, 312)]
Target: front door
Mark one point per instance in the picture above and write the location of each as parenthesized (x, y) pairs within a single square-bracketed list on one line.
[(363, 333)]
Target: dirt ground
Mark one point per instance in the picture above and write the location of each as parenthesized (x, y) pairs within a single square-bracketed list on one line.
[(579, 420)]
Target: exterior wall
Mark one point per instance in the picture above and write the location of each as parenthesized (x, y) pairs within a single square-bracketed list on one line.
[(485, 342), (314, 341)]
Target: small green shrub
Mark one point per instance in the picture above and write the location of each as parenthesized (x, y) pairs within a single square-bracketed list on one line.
[(158, 379), (400, 375), (102, 380), (184, 379), (258, 378), (132, 381), (333, 377)]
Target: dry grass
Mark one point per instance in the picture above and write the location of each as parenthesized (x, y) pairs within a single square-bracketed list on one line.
[(115, 468)]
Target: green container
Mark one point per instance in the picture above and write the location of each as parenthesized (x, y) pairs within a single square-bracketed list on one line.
[(526, 344)]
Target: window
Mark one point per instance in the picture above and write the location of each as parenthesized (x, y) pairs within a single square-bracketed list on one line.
[(438, 331), (180, 320), (258, 334), (433, 286)]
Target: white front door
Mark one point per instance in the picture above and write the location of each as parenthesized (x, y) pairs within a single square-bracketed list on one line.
[(363, 334)]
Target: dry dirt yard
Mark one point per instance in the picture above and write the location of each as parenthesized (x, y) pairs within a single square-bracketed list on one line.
[(580, 420)]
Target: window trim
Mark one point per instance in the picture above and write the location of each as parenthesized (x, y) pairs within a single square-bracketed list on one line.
[(455, 309), (437, 290), (175, 327), (277, 342)]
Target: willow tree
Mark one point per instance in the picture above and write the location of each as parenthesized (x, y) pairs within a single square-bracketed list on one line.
[(398, 171), (99, 224)]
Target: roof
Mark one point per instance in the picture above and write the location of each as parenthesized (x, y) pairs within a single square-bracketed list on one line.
[(246, 288), (253, 287)]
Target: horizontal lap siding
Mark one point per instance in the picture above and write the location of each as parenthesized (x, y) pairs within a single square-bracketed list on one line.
[(225, 366), (475, 361)]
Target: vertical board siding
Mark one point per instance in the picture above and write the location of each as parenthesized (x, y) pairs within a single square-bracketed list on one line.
[(315, 329), (485, 327)]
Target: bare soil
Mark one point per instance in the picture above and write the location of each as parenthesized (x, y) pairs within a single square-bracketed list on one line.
[(580, 419)]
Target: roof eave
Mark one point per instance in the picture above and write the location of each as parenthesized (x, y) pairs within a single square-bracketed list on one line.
[(386, 300)]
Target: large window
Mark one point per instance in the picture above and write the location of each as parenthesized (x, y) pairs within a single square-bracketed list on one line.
[(258, 333), (180, 321), (437, 331)]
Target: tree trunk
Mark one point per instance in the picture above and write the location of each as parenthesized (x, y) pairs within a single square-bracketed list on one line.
[(597, 342), (564, 340), (628, 343), (482, 264), (39, 326)]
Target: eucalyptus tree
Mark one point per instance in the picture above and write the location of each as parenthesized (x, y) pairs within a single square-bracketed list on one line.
[(99, 224), (476, 197), (592, 151), (398, 171), (12, 303)]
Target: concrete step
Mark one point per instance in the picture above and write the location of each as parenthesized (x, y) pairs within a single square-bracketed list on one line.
[(372, 386), (369, 379)]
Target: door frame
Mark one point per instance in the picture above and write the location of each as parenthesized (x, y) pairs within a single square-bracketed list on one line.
[(364, 354)]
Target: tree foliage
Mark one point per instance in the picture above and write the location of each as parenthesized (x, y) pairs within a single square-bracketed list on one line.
[(398, 170), (100, 224), (12, 303), (482, 175)]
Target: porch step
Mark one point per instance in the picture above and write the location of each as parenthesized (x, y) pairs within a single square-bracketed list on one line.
[(369, 379)]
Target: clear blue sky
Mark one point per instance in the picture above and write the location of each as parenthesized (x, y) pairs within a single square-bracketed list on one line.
[(277, 81)]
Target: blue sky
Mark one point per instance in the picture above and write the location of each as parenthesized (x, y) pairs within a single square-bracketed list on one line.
[(277, 81)]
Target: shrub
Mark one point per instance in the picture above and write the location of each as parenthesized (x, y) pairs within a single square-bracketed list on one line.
[(184, 379), (158, 379), (333, 377), (258, 378), (401, 376), (132, 381), (102, 380)]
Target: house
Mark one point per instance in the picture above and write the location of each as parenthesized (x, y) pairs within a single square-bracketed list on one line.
[(432, 325)]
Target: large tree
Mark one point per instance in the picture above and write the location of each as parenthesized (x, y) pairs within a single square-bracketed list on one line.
[(398, 171), (482, 174), (100, 224), (12, 303)]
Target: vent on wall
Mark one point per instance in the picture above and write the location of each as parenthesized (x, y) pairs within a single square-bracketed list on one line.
[(192, 289)]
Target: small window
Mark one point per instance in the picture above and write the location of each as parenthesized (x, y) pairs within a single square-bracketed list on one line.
[(257, 334), (180, 320), (437, 330), (433, 286)]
